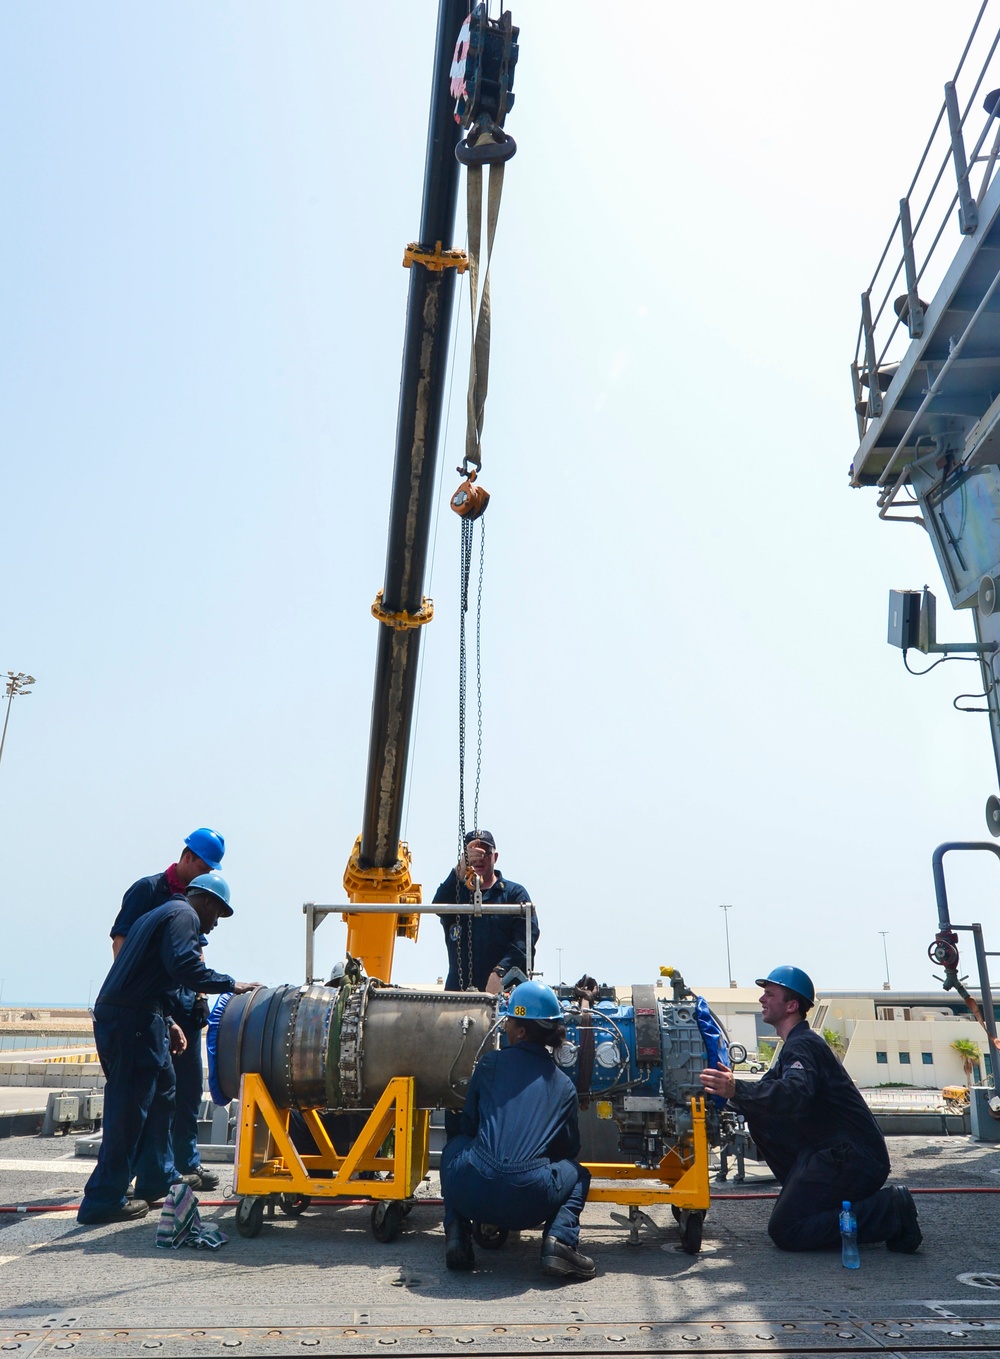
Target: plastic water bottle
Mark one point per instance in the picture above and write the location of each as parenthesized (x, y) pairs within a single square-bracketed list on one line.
[(849, 1256)]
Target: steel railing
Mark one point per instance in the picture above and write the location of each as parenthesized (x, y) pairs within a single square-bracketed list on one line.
[(912, 261)]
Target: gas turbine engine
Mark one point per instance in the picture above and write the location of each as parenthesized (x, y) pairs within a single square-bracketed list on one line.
[(337, 1047)]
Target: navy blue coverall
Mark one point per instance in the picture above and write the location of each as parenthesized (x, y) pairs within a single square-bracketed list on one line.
[(820, 1139), (161, 952), (496, 940), (512, 1164), (181, 1129)]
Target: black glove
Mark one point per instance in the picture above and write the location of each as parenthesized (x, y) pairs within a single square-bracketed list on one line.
[(199, 1012)]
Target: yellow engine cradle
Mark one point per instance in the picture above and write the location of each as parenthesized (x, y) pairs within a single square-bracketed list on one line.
[(266, 1162), (676, 1180)]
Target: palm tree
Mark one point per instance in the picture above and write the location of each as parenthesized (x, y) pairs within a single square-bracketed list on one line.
[(970, 1055), (836, 1041)]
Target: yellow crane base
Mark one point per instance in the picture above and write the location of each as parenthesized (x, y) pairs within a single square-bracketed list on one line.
[(392, 1147)]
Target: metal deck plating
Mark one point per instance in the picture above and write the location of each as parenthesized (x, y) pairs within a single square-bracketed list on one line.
[(321, 1284), (850, 1335)]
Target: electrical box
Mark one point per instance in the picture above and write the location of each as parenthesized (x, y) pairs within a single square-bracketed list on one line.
[(92, 1106), (904, 618), (65, 1109)]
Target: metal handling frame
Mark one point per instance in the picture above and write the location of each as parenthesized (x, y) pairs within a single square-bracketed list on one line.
[(315, 915), (681, 1179), (391, 1151)]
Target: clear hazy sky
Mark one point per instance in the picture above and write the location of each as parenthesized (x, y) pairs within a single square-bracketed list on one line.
[(689, 698)]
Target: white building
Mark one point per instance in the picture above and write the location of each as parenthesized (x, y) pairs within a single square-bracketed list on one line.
[(890, 1037)]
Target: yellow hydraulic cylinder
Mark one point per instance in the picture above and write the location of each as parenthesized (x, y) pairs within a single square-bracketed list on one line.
[(372, 938)]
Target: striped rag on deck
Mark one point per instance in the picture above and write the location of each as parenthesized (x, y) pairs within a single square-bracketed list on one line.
[(180, 1223)]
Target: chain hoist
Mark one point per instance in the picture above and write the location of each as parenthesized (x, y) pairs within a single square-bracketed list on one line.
[(482, 84)]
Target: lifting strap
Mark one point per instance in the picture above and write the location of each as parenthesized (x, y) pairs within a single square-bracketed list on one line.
[(479, 359)]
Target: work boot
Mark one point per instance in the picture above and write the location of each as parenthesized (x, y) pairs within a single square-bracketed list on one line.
[(158, 1195), (458, 1253), (908, 1238), (560, 1261), (207, 1179), (128, 1212)]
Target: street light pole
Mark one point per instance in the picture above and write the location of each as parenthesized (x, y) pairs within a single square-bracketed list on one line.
[(729, 961), (16, 684), (886, 985)]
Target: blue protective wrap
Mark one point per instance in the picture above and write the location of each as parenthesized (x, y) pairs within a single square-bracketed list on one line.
[(716, 1047), (211, 1045)]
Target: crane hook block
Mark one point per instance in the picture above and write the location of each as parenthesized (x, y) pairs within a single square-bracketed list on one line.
[(482, 75), (470, 500)]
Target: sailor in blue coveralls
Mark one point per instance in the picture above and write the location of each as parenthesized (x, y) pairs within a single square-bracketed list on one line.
[(482, 949), (817, 1134), (135, 1032), (512, 1165), (175, 1137)]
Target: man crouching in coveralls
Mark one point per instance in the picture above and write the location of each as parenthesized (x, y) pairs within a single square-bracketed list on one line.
[(816, 1133), (512, 1163)]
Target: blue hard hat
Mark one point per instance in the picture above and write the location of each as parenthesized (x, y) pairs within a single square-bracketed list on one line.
[(216, 886), (208, 845), (793, 979), (532, 1000)]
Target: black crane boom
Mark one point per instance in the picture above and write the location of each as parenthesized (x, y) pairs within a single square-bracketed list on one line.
[(421, 398)]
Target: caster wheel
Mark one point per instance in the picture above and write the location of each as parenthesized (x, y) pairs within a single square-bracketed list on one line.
[(250, 1215), (691, 1232), (387, 1218), (489, 1236), (293, 1205)]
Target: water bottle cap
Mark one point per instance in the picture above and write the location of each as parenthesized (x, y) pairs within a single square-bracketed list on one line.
[(846, 1205)]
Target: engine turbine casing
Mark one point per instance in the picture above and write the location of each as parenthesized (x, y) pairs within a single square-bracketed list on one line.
[(338, 1047)]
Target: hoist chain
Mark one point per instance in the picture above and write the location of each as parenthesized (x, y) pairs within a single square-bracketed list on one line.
[(479, 673), (463, 607), (463, 924)]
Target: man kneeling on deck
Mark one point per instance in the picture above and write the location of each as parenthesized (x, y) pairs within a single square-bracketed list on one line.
[(512, 1163), (816, 1133)]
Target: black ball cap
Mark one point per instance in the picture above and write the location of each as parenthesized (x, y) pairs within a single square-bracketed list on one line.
[(484, 836)]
